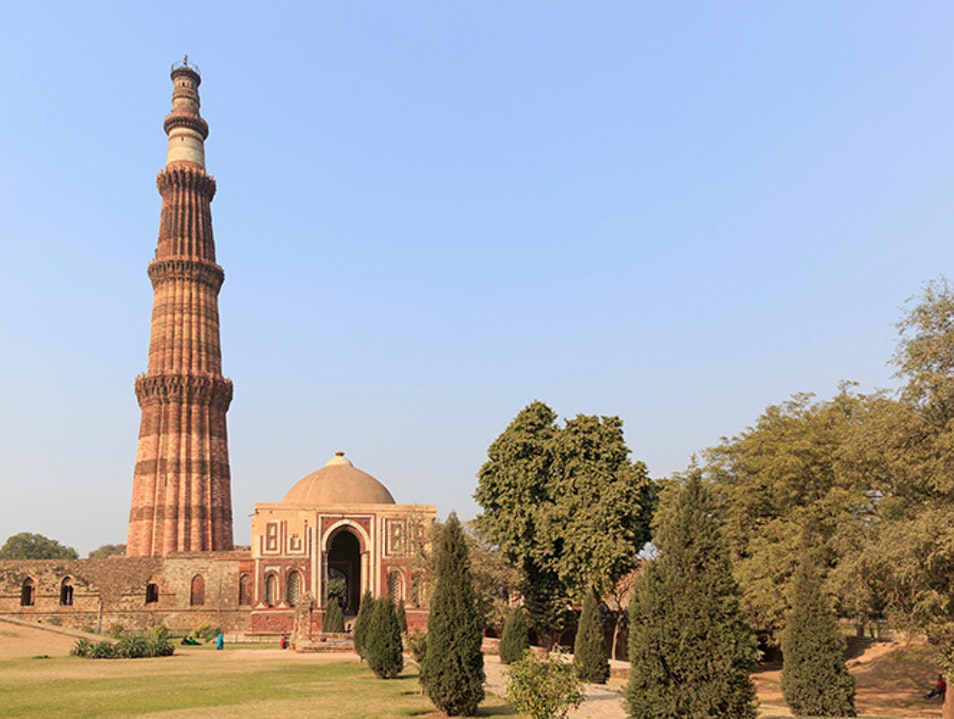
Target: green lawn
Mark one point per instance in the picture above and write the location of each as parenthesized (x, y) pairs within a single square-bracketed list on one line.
[(219, 685)]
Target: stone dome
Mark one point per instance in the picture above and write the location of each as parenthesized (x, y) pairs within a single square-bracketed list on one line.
[(338, 482)]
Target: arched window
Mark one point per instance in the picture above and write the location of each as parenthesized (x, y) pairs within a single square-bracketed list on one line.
[(245, 590), (271, 589), (197, 595), (395, 585), (66, 592), (152, 593), (28, 593), (292, 588)]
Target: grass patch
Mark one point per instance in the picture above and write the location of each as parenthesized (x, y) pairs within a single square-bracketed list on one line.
[(219, 685)]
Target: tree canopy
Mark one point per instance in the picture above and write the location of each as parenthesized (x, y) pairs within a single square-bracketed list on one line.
[(26, 545), (108, 550), (565, 504)]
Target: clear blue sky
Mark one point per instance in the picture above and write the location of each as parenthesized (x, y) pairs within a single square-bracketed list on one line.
[(432, 214)]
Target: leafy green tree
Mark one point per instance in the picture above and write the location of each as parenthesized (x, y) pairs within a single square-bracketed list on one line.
[(793, 467), (334, 618), (815, 679), (453, 670), (589, 650), (516, 637), (543, 687), (108, 550), (691, 649), (26, 545), (383, 648), (496, 580), (565, 505), (361, 621)]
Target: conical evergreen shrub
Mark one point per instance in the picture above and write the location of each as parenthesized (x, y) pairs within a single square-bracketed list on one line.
[(815, 679), (589, 650), (453, 669), (334, 617), (691, 649), (360, 630), (382, 646), (402, 617), (516, 637)]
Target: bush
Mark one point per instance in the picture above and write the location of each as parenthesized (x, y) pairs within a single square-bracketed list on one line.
[(543, 688), (589, 650), (417, 646), (133, 648), (82, 648), (116, 630), (453, 670), (360, 633), (516, 637), (204, 631), (383, 648), (103, 650), (334, 617)]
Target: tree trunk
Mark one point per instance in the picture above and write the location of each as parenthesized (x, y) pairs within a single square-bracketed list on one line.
[(947, 711), (616, 629)]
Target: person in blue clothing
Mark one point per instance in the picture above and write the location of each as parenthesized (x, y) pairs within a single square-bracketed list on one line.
[(219, 640)]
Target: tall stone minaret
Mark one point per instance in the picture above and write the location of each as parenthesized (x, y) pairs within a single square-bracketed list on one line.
[(181, 489)]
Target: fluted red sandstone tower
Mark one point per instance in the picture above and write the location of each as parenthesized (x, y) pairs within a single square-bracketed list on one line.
[(181, 495)]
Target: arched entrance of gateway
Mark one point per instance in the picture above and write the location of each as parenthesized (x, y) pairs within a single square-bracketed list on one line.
[(344, 570)]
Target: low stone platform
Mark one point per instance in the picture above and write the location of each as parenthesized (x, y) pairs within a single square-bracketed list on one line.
[(326, 643)]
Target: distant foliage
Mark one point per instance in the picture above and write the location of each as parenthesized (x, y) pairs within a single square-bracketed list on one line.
[(815, 679), (516, 637), (360, 632), (334, 617), (589, 651), (108, 550), (453, 669), (382, 647), (35, 546), (543, 688)]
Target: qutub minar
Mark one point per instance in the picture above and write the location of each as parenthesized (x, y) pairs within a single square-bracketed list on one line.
[(336, 534), (181, 489)]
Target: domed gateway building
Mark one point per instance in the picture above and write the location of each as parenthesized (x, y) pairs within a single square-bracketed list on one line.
[(337, 534)]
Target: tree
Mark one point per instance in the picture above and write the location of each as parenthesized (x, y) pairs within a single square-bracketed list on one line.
[(589, 650), (402, 617), (108, 550), (516, 637), (565, 505), (691, 649), (815, 679), (334, 618), (453, 670), (382, 647), (26, 545), (360, 633)]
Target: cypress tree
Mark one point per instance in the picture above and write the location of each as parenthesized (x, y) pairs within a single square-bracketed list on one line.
[(453, 669), (402, 617), (334, 617), (382, 647), (516, 637), (815, 679), (589, 650), (691, 649), (360, 633)]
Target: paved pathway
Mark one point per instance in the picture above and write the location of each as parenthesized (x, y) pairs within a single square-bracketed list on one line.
[(602, 702)]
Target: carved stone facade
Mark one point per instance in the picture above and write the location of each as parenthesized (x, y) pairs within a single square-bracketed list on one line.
[(181, 486)]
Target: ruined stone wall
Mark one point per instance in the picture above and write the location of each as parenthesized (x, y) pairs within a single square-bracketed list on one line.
[(116, 591)]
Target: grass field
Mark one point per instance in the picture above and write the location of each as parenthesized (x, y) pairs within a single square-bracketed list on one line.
[(199, 681)]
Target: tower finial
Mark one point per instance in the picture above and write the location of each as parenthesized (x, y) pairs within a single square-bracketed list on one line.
[(185, 60)]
